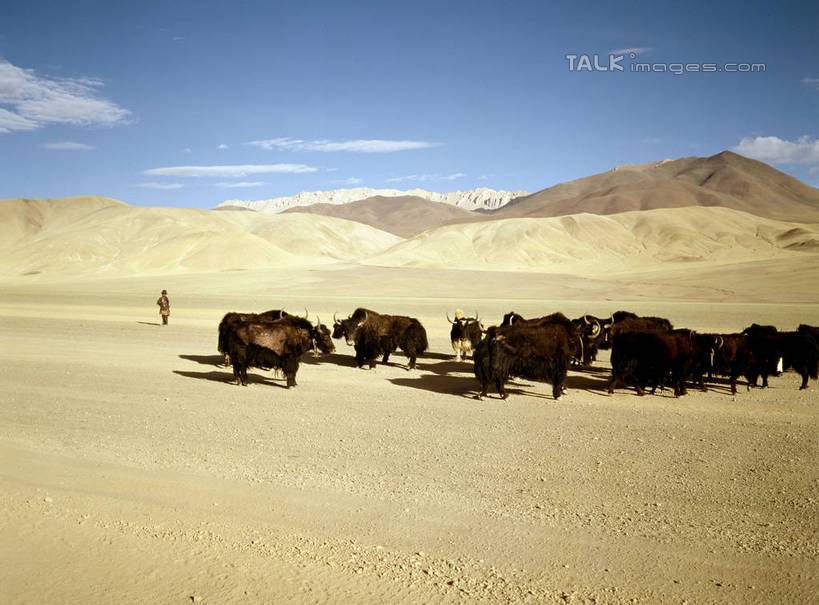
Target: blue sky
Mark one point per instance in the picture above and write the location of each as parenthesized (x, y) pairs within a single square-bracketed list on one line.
[(192, 103)]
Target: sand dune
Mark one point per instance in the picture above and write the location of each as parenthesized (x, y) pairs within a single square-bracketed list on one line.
[(726, 179), (92, 236), (631, 241)]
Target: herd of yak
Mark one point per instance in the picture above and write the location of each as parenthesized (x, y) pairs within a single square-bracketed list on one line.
[(646, 352)]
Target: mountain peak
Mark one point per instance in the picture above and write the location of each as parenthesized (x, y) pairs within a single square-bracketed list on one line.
[(481, 198)]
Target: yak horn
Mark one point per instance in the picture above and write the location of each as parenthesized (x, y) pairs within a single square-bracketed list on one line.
[(595, 329), (335, 321), (306, 313), (318, 321), (448, 319)]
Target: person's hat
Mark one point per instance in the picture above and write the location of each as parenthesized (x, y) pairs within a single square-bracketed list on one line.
[(164, 291)]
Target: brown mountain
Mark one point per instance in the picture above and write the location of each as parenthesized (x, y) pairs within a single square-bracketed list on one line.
[(405, 216), (727, 179)]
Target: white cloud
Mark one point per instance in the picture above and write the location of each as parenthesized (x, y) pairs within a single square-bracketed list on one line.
[(651, 140), (773, 150), (359, 145), (29, 101), (427, 177), (634, 50), (68, 146), (11, 121), (161, 185), (353, 180), (222, 146), (813, 82), (240, 185), (229, 171)]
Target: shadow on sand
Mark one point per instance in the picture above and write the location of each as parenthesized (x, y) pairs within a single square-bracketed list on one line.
[(149, 323), (227, 378), (209, 360)]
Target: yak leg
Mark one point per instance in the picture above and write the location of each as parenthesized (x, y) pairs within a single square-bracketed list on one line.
[(733, 380), (412, 362), (613, 381), (290, 367), (804, 380), (501, 390)]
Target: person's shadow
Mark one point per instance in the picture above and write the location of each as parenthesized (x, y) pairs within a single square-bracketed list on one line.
[(149, 323)]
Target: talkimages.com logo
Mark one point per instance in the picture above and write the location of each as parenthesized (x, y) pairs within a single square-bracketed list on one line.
[(614, 62)]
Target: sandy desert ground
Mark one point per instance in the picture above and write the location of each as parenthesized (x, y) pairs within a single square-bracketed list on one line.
[(132, 470)]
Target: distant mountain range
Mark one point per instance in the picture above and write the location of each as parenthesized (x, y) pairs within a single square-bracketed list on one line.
[(726, 180), (475, 199)]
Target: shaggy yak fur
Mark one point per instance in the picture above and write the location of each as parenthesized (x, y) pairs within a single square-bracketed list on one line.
[(274, 344), (375, 335), (536, 352)]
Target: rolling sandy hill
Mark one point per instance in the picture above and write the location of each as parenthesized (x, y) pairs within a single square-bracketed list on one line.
[(726, 179), (405, 216), (592, 244), (98, 236)]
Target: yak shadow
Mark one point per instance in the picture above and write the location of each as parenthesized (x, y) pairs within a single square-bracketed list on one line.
[(338, 359), (227, 378), (439, 356), (593, 384), (464, 386), (209, 360), (449, 385), (149, 323), (444, 368)]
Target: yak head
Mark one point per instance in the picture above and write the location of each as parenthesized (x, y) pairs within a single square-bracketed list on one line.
[(348, 328), (461, 324), (321, 337), (511, 318)]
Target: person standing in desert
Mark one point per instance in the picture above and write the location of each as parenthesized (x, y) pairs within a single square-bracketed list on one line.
[(164, 307)]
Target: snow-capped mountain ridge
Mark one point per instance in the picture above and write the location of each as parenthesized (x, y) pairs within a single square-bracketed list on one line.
[(481, 198)]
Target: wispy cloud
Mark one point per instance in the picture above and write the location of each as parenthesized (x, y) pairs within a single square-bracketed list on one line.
[(353, 180), (651, 140), (29, 101), (812, 82), (426, 177), (161, 185), (773, 150), (68, 146), (357, 146), (187, 150), (240, 185), (222, 146), (633, 50), (229, 171)]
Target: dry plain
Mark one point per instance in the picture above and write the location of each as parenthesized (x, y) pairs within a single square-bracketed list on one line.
[(132, 470)]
